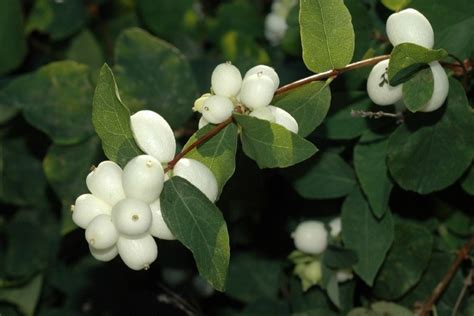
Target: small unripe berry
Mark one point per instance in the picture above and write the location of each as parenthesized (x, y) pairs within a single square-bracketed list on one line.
[(105, 182), (344, 275), (198, 175), (378, 88), (101, 232), (284, 119), (310, 237), (143, 178), (200, 101), (313, 272), (104, 254), (158, 227), (137, 253), (441, 88), (335, 227), (265, 70), (257, 91), (263, 113), (153, 135), (410, 26), (226, 80), (86, 208), (217, 109), (132, 217)]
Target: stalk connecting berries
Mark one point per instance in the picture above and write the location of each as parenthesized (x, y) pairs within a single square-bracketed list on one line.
[(407, 26)]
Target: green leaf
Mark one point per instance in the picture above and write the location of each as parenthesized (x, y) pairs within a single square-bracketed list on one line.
[(370, 163), (327, 35), (326, 176), (85, 49), (450, 29), (308, 104), (218, 153), (111, 120), (406, 261), (161, 79), (418, 90), (431, 151), (407, 58), (25, 297), (332, 289), (337, 257), (13, 48), (252, 278), (66, 168), (56, 99), (368, 236), (468, 181), (200, 226), (271, 145), (59, 19), (390, 309), (396, 5)]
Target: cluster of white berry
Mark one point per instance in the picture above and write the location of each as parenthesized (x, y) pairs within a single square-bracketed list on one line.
[(275, 21), (252, 95), (311, 238), (407, 26), (122, 213)]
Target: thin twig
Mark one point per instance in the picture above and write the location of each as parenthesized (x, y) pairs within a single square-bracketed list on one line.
[(377, 115), (176, 300), (467, 283), (462, 255)]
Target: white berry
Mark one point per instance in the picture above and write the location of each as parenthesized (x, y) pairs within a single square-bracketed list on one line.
[(311, 237), (410, 26), (217, 109), (275, 28), (153, 135), (263, 113), (106, 254), (257, 91), (101, 232), (284, 119), (267, 71), (132, 217), (88, 207), (198, 175), (202, 122), (441, 88), (158, 228), (378, 88), (137, 253), (143, 178), (105, 182), (344, 275), (335, 227), (226, 80)]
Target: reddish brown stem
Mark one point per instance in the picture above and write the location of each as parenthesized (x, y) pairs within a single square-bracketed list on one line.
[(331, 73), (462, 255)]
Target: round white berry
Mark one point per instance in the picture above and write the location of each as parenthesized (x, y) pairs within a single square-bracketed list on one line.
[(101, 232), (137, 253), (132, 217), (153, 135), (217, 109), (310, 237), (263, 113), (86, 208), (105, 182), (410, 26), (344, 275), (226, 80), (284, 119), (106, 254), (200, 101), (198, 175), (158, 227), (378, 88), (265, 70), (143, 178), (202, 122), (335, 227), (441, 88), (257, 91), (275, 28)]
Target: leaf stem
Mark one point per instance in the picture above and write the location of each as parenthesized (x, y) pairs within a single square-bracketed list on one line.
[(291, 86), (462, 255)]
